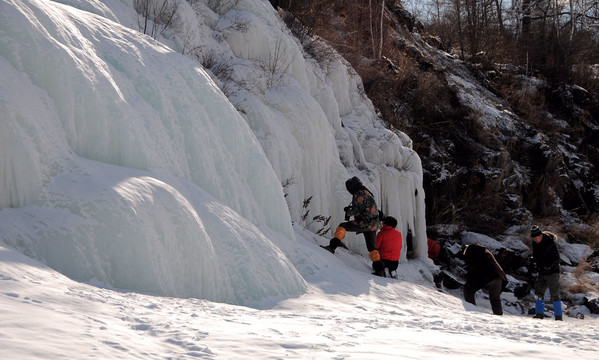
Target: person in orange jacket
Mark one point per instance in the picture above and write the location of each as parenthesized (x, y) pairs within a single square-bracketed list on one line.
[(389, 243)]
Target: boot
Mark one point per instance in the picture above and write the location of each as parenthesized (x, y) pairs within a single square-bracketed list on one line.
[(379, 268), (539, 309), (328, 248), (557, 310), (380, 273), (335, 243)]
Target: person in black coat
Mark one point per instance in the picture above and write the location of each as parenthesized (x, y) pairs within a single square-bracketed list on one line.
[(547, 259), (483, 272)]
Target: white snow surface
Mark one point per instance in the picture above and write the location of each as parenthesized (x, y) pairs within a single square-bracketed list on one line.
[(346, 313), (150, 209)]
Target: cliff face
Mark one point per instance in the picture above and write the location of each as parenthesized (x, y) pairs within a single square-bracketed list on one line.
[(528, 151)]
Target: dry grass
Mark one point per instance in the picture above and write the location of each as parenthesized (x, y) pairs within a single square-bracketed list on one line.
[(579, 289), (584, 285), (588, 235), (528, 101)]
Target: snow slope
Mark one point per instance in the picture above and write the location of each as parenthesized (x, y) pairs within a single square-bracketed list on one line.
[(345, 314)]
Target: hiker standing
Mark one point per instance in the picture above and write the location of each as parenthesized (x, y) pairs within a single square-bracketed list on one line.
[(546, 257)]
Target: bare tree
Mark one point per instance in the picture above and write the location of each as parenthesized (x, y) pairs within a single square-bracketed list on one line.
[(221, 6), (278, 63), (156, 15), (382, 30), (376, 33)]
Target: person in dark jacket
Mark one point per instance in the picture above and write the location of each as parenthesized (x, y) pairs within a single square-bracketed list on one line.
[(546, 257), (389, 243), (483, 272), (366, 220)]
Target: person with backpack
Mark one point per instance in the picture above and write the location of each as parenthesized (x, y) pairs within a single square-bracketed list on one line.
[(389, 242), (547, 260), (366, 220), (483, 272)]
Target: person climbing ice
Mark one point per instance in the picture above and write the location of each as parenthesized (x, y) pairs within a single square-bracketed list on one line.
[(366, 220)]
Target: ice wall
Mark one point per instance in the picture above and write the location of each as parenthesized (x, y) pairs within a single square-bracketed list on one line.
[(314, 122), (123, 163)]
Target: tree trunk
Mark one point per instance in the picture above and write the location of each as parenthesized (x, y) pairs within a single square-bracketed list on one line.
[(371, 28), (525, 18), (572, 20), (498, 4), (458, 10), (381, 41)]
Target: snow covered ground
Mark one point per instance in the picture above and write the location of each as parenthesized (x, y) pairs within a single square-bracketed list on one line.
[(347, 313)]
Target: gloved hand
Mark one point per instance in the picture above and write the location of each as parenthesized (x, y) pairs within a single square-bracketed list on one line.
[(347, 209), (532, 266), (375, 256)]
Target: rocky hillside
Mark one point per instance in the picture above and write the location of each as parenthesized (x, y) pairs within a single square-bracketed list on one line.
[(498, 148)]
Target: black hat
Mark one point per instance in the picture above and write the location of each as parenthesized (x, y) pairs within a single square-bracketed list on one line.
[(390, 221), (352, 185), (535, 231)]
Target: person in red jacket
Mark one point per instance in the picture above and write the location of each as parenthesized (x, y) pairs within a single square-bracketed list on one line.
[(389, 243), (433, 248)]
